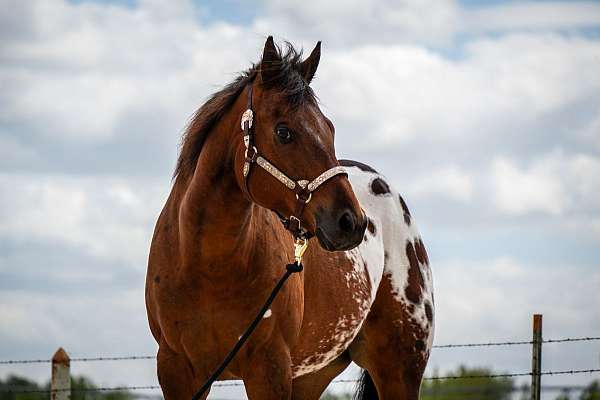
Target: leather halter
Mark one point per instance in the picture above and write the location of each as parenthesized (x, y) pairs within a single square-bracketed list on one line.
[(302, 188)]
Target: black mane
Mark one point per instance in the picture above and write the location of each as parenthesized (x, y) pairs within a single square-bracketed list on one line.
[(284, 77)]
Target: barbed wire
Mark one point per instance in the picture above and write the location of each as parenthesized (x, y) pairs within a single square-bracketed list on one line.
[(488, 344), (96, 389), (431, 390), (513, 343), (39, 361), (111, 358), (513, 375), (238, 383), (440, 346), (580, 339), (79, 359)]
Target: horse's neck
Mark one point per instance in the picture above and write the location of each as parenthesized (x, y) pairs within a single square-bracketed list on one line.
[(217, 223)]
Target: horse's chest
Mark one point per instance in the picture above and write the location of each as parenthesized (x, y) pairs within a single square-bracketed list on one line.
[(342, 304)]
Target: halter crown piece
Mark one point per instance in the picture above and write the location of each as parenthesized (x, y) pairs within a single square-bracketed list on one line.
[(303, 188)]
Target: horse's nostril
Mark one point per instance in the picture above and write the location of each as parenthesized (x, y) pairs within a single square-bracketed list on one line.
[(347, 222)]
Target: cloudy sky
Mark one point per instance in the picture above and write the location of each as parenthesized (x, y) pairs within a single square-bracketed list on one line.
[(485, 115)]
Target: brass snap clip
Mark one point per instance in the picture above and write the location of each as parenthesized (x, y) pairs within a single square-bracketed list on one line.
[(300, 247)]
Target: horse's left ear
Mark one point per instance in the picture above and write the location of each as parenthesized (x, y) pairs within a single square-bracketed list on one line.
[(309, 66)]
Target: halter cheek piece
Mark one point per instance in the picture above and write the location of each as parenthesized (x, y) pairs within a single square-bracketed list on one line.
[(302, 188)]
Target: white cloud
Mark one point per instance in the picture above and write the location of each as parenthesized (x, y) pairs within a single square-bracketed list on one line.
[(517, 192), (402, 95), (448, 182), (13, 152), (369, 21), (555, 184), (590, 133), (528, 15), (85, 325), (89, 65), (109, 218), (539, 71), (429, 22), (93, 72), (584, 173)]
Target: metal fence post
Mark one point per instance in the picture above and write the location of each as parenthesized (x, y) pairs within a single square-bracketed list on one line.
[(536, 357), (61, 376)]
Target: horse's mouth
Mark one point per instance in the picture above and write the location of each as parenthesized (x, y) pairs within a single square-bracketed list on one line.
[(324, 240), (329, 245)]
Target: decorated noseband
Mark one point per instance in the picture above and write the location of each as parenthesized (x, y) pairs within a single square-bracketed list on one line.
[(303, 188)]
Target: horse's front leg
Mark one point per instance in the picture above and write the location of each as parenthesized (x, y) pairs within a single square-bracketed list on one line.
[(175, 374), (268, 373)]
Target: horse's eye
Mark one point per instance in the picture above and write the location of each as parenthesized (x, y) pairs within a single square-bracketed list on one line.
[(283, 133)]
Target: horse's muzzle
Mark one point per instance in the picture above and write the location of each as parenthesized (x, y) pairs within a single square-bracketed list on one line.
[(340, 231)]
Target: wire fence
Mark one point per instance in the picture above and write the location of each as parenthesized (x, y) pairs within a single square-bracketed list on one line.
[(514, 343), (337, 381), (78, 359), (441, 346), (17, 390)]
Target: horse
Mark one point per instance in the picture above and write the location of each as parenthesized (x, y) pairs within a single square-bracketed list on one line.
[(365, 294)]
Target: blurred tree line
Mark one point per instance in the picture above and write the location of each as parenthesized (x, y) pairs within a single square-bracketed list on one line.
[(82, 389), (481, 388), (591, 392), (468, 389)]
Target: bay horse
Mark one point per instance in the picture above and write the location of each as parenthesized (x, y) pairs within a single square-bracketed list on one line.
[(219, 247)]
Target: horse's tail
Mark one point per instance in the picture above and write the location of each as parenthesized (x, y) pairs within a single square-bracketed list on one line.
[(365, 389)]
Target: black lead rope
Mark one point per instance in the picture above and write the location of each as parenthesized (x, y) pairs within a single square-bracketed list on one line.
[(290, 269)]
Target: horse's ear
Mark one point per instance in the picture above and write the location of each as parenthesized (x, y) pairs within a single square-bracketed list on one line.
[(309, 66), (271, 62)]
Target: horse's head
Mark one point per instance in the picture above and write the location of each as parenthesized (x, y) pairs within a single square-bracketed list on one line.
[(290, 131)]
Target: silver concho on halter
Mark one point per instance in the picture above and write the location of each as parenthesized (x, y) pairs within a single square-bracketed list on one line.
[(248, 115), (246, 169)]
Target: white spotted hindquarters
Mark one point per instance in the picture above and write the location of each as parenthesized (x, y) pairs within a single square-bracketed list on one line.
[(404, 279)]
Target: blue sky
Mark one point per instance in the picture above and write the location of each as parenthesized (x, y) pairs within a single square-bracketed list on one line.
[(484, 115)]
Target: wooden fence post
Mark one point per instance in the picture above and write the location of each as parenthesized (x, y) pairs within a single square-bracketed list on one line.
[(536, 358), (61, 376)]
